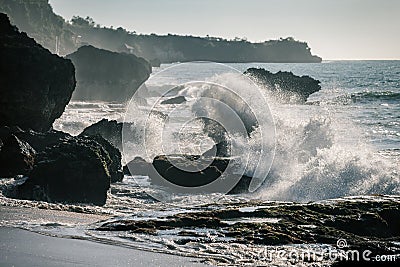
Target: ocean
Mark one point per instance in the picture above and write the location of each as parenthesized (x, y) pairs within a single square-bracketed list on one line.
[(343, 144)]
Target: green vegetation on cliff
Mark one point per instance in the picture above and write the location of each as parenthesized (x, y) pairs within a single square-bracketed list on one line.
[(53, 32)]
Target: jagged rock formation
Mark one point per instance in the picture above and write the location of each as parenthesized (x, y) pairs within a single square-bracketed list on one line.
[(286, 86), (35, 84), (75, 171), (109, 130), (107, 76), (114, 166), (62, 163)]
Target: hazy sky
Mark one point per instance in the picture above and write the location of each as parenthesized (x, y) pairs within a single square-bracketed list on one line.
[(334, 29)]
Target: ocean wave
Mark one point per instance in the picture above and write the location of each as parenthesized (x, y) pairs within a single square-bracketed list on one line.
[(375, 96)]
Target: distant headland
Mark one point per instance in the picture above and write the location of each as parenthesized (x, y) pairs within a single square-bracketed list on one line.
[(38, 20)]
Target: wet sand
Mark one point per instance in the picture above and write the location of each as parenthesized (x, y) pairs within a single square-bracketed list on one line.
[(19, 247)]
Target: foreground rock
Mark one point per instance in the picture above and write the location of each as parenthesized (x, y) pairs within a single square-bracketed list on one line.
[(186, 171), (107, 76), (285, 85), (42, 141), (75, 171), (114, 167), (370, 223), (62, 163), (16, 157), (35, 84)]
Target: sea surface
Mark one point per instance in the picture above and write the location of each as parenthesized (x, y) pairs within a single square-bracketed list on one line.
[(344, 142)]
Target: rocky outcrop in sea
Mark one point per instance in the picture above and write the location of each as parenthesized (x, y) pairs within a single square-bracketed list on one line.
[(107, 76), (188, 171), (285, 86)]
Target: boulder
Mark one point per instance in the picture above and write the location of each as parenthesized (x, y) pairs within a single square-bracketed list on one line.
[(174, 100), (74, 171), (114, 167), (16, 157), (107, 76), (287, 86), (182, 171), (41, 141), (36, 85), (109, 130), (138, 166)]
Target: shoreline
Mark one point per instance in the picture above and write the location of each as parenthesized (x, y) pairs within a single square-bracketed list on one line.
[(20, 247)]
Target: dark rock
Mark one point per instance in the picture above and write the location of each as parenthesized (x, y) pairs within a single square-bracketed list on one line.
[(109, 130), (175, 100), (38, 140), (41, 141), (285, 84), (138, 166), (108, 76), (355, 220), (162, 166), (194, 171), (35, 84), (16, 157), (74, 171), (115, 167)]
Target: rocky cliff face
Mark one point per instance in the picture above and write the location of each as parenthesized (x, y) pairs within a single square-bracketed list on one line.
[(36, 85), (108, 76)]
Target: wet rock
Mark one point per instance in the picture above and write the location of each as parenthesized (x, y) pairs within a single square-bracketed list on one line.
[(41, 141), (109, 130), (357, 221), (107, 76), (185, 170), (35, 84), (38, 140), (115, 166), (139, 166), (16, 157), (74, 171), (174, 100), (195, 171), (287, 86)]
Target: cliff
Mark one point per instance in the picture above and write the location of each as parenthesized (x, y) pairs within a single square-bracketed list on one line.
[(39, 21), (107, 76), (35, 85)]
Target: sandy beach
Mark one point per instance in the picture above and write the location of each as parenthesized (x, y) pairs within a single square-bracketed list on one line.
[(20, 247)]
